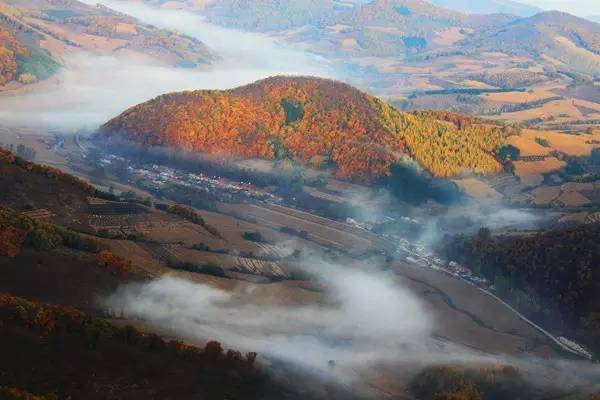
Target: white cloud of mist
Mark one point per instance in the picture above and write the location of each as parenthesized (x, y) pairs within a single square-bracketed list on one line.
[(470, 218), (366, 318), (246, 49), (92, 88), (370, 205)]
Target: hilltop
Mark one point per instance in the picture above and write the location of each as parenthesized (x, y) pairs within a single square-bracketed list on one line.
[(318, 121), (571, 43)]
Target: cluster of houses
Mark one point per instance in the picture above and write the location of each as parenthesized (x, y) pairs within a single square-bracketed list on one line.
[(159, 177)]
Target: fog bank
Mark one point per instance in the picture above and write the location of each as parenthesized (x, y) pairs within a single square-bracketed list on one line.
[(366, 320), (367, 317), (92, 89)]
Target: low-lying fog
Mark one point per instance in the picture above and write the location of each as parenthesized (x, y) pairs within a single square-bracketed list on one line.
[(365, 318), (93, 88)]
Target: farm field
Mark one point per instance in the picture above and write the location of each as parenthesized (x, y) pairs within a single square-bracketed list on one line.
[(531, 172)]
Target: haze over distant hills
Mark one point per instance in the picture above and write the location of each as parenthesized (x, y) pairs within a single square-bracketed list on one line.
[(489, 7), (396, 28)]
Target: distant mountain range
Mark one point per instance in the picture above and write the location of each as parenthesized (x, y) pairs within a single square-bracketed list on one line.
[(270, 15), (405, 28), (489, 7)]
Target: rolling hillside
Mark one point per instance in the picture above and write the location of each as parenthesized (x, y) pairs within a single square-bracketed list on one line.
[(315, 120), (566, 41), (63, 28), (266, 15)]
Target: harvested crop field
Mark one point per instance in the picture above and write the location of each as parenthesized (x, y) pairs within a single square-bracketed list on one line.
[(545, 195), (573, 199), (519, 97), (531, 173), (478, 189)]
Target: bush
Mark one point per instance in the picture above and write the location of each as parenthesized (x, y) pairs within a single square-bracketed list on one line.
[(254, 237), (115, 264), (43, 239), (444, 383), (201, 247), (207, 269), (542, 142)]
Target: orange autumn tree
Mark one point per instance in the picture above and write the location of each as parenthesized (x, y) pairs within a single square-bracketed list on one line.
[(10, 49), (116, 265), (310, 119)]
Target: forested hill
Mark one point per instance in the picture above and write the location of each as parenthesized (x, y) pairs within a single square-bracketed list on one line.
[(553, 276), (317, 121)]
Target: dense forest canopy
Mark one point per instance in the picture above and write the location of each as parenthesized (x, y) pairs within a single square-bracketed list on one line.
[(554, 276), (318, 121)]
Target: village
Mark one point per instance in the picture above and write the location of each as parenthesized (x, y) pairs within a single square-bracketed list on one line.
[(157, 178)]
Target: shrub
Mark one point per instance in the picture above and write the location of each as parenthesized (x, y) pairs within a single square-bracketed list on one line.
[(542, 142), (254, 237), (115, 264)]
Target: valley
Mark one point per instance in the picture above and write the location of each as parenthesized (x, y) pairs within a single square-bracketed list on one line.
[(220, 253)]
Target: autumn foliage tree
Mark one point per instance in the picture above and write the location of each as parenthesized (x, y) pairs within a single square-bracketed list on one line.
[(10, 49), (116, 265), (552, 276)]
